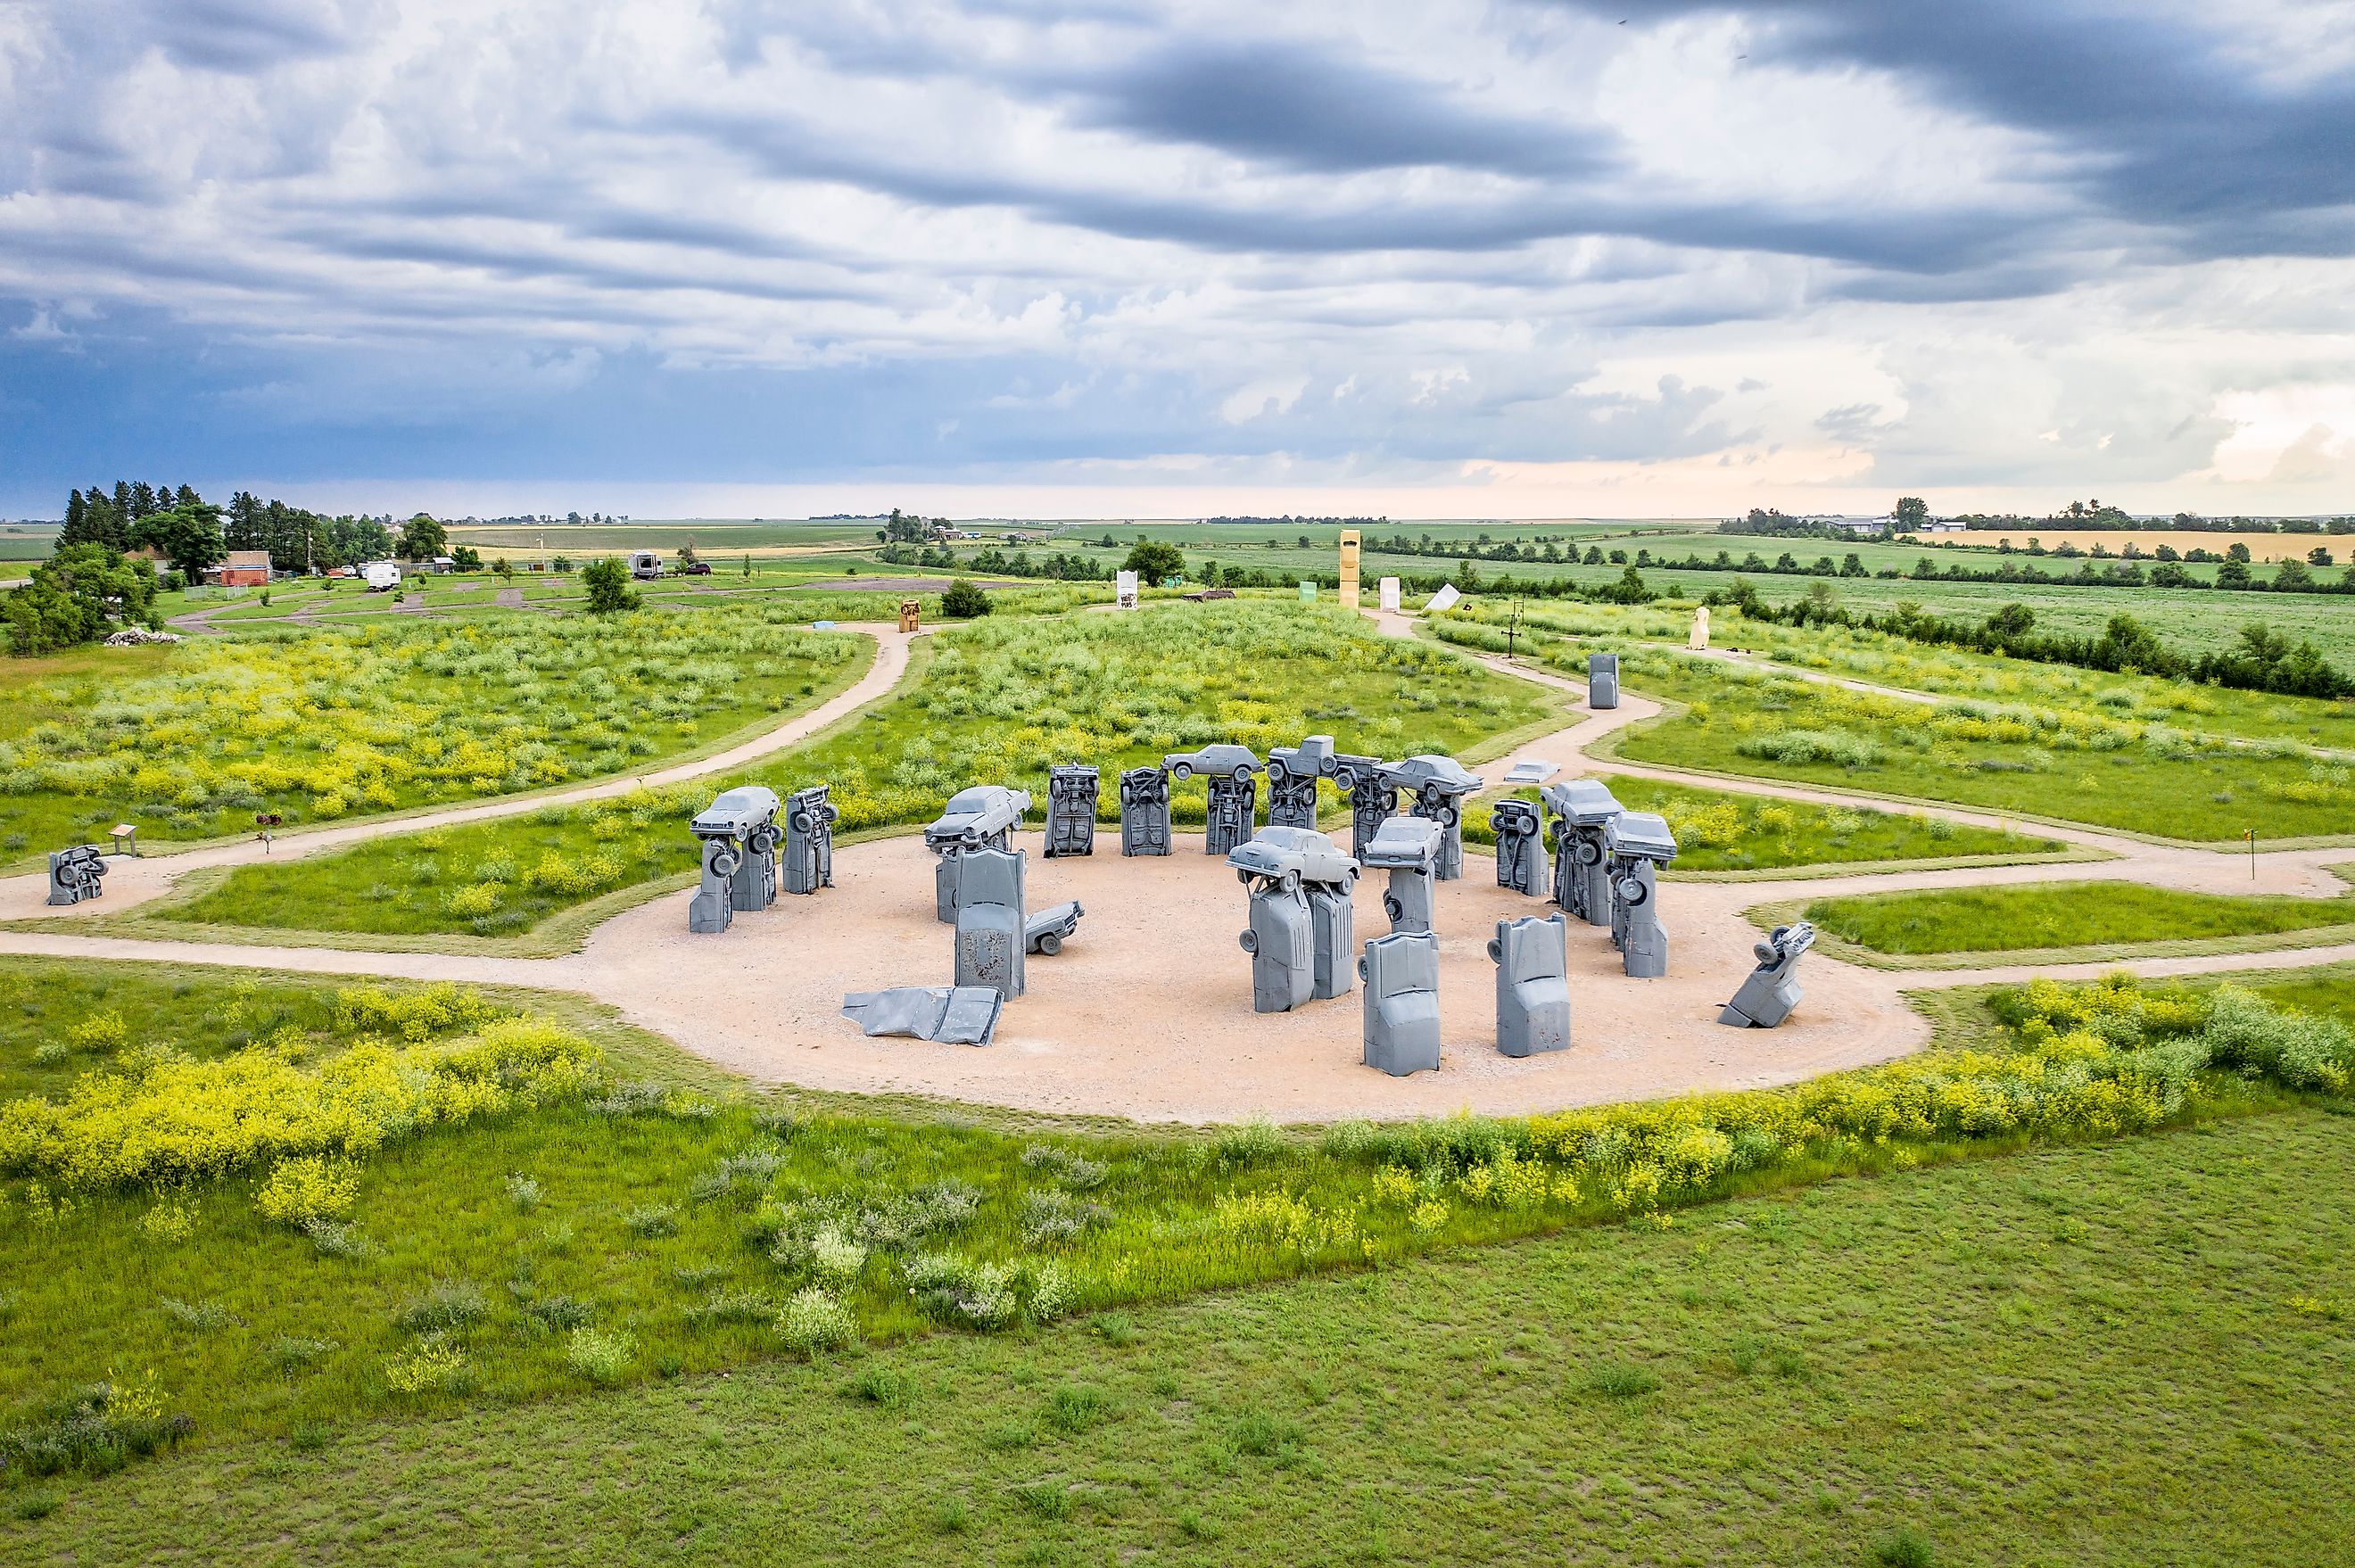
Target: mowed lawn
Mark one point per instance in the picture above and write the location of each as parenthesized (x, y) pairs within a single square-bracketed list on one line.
[(2062, 914), (2120, 1354)]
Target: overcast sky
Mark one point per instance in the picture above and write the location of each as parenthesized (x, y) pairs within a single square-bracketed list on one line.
[(1430, 258)]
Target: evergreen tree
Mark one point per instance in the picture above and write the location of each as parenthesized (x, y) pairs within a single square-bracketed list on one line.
[(142, 501), (123, 502), (186, 495), (244, 530)]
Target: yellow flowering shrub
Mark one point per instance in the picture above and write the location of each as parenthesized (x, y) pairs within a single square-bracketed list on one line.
[(181, 1119), (307, 1188)]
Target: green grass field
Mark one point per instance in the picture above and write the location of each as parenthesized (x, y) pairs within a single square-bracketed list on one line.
[(192, 740), (2113, 1353), (998, 701), (2073, 764), (2062, 914), (1985, 1361), (1719, 830)]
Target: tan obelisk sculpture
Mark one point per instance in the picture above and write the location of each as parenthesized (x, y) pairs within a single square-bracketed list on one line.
[(1349, 569)]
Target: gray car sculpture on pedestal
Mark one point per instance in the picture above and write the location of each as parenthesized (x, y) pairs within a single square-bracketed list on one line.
[(1406, 847), (76, 874), (1372, 801), (1144, 811), (1770, 991), (1581, 810), (1292, 775), (1639, 844), (1532, 959), (1280, 866), (1520, 847), (1438, 786), (1603, 680), (982, 817), (1232, 772), (809, 839), (1070, 810), (739, 830), (1401, 1023), (990, 936)]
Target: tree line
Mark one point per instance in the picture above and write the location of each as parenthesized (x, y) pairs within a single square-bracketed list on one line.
[(2263, 660)]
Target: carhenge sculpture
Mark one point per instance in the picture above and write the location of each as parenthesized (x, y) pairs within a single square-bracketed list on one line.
[(1401, 1025), (990, 935), (1521, 851), (1230, 770), (1372, 800), (1144, 811), (1532, 959), (1603, 680), (1070, 810), (809, 839), (1639, 844), (1407, 847), (1770, 991), (1292, 775), (981, 817), (1438, 786), (1300, 937), (76, 874), (739, 831), (1581, 810)]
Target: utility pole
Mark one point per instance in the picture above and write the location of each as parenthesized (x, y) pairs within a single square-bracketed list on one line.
[(1513, 630)]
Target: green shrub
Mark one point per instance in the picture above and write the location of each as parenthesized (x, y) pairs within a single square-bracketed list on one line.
[(813, 1321), (601, 1357)]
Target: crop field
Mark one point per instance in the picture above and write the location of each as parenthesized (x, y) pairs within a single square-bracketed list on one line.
[(998, 701), (192, 740), (797, 591), (2064, 914), (463, 1205)]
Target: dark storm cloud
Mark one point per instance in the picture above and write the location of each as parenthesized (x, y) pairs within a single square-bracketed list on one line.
[(1297, 107), (2173, 128)]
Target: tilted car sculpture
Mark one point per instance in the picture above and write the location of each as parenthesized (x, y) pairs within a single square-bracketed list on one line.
[(1770, 991), (76, 874)]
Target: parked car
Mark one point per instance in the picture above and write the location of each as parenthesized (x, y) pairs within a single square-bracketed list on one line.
[(696, 569), (1225, 759)]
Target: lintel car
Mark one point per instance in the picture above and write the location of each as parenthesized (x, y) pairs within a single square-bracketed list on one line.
[(1223, 759)]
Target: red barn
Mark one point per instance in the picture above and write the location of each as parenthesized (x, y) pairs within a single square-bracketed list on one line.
[(243, 568)]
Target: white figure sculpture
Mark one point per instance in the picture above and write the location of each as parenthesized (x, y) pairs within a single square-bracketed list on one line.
[(1701, 629)]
